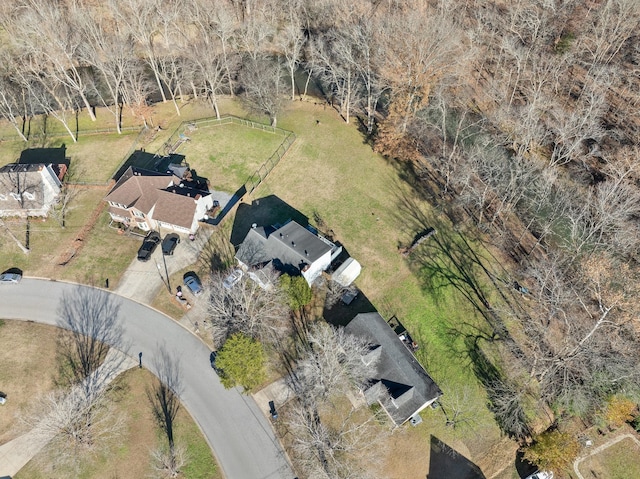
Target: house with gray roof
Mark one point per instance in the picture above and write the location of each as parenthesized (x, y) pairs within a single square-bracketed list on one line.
[(291, 249), (153, 201), (398, 382), (29, 189)]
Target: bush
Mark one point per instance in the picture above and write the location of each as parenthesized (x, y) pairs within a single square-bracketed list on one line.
[(241, 363), (620, 410), (298, 291), (553, 451)]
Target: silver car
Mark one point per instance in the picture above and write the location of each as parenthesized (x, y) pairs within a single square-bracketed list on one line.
[(10, 278)]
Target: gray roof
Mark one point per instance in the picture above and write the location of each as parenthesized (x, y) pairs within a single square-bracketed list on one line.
[(398, 381), (292, 245)]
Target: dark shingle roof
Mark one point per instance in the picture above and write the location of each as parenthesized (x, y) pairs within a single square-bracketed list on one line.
[(398, 380), (291, 244)]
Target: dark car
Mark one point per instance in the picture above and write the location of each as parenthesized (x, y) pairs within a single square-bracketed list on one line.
[(169, 243), (192, 282), (148, 246), (212, 360)]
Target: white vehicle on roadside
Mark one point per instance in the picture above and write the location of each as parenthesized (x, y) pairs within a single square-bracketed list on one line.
[(540, 475)]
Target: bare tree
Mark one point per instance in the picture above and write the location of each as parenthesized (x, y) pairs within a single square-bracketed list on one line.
[(74, 423), (290, 41), (165, 404), (330, 363), (45, 33), (342, 447), (25, 190), (143, 24), (92, 316), (261, 77), (109, 50), (207, 52), (10, 93), (247, 308)]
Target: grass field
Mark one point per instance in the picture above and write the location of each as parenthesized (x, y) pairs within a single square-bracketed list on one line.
[(331, 174), (620, 461), (228, 154), (25, 347)]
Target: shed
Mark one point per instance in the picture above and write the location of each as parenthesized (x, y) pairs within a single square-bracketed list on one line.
[(347, 272)]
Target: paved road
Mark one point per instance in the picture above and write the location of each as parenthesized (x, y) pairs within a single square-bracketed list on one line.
[(240, 435)]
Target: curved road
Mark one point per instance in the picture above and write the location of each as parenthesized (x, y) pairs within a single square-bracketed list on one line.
[(241, 436)]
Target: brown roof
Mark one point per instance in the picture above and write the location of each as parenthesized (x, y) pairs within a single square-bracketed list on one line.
[(140, 192), (174, 208)]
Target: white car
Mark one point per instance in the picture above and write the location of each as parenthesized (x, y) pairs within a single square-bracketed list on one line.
[(234, 277), (540, 475)]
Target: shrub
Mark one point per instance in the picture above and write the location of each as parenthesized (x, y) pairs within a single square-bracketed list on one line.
[(553, 450)]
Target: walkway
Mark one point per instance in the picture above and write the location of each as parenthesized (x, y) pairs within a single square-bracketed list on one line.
[(615, 440), (15, 454)]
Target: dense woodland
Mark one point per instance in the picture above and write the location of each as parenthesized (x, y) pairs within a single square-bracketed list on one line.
[(517, 117)]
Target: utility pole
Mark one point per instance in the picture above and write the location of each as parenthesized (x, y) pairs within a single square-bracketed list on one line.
[(164, 261)]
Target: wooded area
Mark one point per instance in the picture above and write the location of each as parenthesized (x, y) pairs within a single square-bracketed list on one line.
[(516, 117)]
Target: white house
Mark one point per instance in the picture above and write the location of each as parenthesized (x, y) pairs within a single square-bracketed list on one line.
[(29, 189), (291, 249), (152, 201)]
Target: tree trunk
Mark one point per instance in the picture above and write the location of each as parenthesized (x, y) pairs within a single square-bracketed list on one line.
[(293, 85), (306, 85), (92, 115)]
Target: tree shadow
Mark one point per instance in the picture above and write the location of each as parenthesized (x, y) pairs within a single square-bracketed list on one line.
[(447, 463), (141, 159), (164, 394), (55, 156), (92, 318), (266, 211)]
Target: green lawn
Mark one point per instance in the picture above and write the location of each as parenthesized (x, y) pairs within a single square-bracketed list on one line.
[(620, 461), (228, 154), (332, 174), (128, 457)]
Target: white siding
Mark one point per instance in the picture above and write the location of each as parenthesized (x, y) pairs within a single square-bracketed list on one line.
[(317, 267)]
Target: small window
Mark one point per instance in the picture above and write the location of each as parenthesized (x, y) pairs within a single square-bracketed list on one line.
[(14, 196), (143, 226), (3, 197), (28, 195), (138, 214)]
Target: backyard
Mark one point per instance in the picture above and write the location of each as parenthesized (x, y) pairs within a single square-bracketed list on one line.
[(619, 461), (331, 176)]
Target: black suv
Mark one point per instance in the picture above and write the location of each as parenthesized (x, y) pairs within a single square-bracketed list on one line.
[(169, 243), (148, 246)]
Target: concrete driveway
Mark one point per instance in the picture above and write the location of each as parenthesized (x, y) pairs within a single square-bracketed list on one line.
[(143, 279), (239, 433)]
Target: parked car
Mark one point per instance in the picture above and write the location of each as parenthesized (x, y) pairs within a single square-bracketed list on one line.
[(192, 282), (169, 243), (541, 475), (148, 246), (212, 360), (11, 276), (232, 279)]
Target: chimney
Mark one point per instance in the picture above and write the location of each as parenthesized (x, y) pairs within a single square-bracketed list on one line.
[(293, 243)]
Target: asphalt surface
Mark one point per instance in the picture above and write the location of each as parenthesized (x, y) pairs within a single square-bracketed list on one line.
[(238, 432)]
